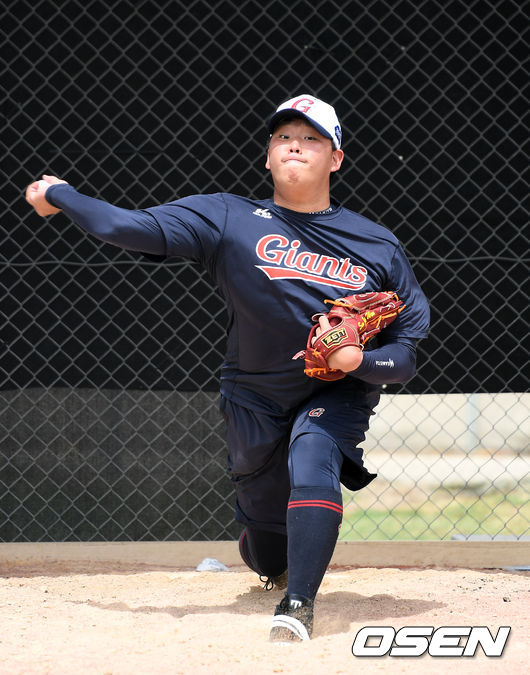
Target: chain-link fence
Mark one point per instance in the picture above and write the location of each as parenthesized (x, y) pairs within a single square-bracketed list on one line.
[(109, 425)]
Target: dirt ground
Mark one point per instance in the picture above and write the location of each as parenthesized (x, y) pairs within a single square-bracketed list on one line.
[(103, 619)]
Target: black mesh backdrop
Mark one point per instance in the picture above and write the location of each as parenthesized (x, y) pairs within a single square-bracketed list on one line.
[(109, 424)]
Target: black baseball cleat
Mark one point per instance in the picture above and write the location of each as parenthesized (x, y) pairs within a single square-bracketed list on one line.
[(293, 620), (279, 582)]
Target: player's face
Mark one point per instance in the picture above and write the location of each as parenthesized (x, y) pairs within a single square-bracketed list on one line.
[(298, 152)]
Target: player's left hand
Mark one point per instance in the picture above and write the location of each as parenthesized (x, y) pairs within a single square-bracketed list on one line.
[(347, 358), (335, 341), (35, 195)]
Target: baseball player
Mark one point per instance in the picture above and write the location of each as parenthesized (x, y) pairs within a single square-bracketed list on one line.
[(292, 438)]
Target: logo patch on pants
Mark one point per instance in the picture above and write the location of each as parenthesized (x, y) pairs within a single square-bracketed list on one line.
[(316, 412)]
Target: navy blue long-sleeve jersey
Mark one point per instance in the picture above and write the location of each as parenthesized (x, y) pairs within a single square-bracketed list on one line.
[(274, 268)]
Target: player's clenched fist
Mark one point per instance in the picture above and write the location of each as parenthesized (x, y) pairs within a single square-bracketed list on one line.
[(35, 195)]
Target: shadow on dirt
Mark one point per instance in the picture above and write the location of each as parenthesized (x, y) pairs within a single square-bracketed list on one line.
[(334, 612)]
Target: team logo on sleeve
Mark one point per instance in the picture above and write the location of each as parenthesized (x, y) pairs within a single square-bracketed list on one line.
[(285, 260)]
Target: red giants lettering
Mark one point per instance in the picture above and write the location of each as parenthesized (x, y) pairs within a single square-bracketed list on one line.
[(291, 263)]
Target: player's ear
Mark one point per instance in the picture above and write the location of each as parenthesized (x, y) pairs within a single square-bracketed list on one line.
[(267, 162), (336, 160)]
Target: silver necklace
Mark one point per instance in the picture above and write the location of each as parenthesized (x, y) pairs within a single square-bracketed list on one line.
[(319, 213)]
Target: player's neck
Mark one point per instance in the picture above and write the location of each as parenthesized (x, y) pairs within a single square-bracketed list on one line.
[(302, 202)]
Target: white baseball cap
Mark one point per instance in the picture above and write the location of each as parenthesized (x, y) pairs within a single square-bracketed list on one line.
[(319, 114)]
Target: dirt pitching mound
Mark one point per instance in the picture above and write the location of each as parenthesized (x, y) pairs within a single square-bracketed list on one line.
[(107, 618)]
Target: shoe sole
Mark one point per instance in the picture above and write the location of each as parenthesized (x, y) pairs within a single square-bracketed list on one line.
[(288, 629)]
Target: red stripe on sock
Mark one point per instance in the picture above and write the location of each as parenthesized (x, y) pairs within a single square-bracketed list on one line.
[(315, 502)]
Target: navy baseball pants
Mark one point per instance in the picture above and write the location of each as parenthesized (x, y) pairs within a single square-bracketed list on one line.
[(287, 470)]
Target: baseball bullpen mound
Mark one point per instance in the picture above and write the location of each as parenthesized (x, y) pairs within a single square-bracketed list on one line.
[(105, 618)]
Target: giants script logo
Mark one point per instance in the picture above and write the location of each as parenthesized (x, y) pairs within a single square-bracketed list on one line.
[(286, 261)]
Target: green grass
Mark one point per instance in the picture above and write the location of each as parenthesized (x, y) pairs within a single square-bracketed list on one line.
[(447, 512)]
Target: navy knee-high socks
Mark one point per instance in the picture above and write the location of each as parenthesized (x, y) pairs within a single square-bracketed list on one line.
[(314, 516)]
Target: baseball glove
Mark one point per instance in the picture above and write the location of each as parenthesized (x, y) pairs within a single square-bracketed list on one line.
[(354, 320)]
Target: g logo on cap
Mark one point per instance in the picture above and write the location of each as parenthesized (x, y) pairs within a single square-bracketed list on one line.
[(319, 114), (303, 108)]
